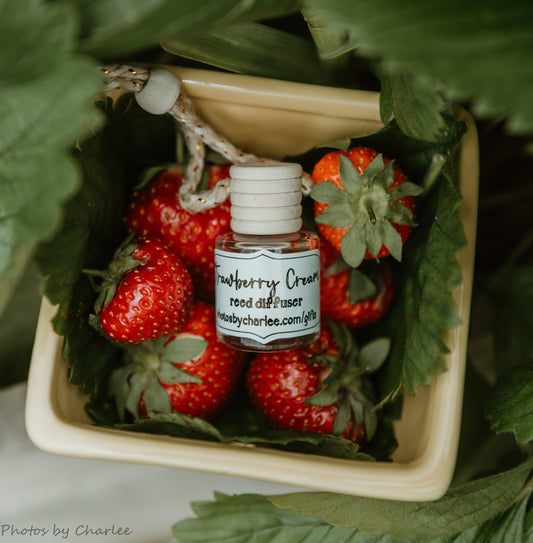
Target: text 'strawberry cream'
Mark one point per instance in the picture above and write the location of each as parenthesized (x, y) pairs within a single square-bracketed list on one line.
[(267, 270)]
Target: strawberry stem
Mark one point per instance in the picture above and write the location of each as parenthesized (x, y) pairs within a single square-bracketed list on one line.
[(96, 273), (371, 213)]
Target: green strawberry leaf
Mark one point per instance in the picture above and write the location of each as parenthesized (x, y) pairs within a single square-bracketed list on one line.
[(91, 231), (326, 396), (415, 103), (491, 45), (118, 386), (374, 353), (93, 228), (392, 240), (400, 214), (328, 193), (45, 94), (118, 29), (425, 307), (300, 442), (405, 189), (175, 425), (342, 418), (179, 425), (183, 349), (528, 527), (344, 340), (508, 527), (253, 49), (336, 215), (17, 328), (386, 98), (460, 509), (155, 397), (510, 404), (361, 287), (342, 144), (138, 381), (353, 245), (512, 299), (373, 238), (377, 171), (169, 373), (42, 50), (333, 446), (480, 450), (351, 179), (249, 518), (371, 421)]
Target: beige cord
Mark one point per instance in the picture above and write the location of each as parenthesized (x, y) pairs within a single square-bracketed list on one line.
[(197, 132)]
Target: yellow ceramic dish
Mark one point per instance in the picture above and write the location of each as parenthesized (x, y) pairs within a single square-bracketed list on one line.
[(275, 118)]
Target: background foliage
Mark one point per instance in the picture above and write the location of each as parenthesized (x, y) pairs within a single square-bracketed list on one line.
[(421, 56)]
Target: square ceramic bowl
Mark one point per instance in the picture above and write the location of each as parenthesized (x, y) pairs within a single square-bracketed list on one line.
[(274, 118)]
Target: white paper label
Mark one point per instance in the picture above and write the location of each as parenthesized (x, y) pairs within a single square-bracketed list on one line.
[(266, 296)]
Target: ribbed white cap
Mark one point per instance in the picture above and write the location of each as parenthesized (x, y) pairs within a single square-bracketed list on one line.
[(266, 171), (265, 198)]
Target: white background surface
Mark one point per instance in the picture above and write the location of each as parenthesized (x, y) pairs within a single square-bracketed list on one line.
[(43, 491)]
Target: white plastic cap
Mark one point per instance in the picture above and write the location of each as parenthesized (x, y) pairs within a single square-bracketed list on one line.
[(265, 198)]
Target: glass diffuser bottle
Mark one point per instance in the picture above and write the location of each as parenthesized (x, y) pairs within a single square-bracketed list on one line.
[(267, 270)]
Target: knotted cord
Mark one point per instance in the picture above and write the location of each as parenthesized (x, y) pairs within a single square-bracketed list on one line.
[(197, 134)]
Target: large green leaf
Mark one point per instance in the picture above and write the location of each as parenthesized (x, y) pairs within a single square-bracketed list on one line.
[(479, 50), (37, 37), (250, 518), (111, 28), (17, 328), (414, 103), (91, 231), (510, 406), (111, 163), (425, 307), (512, 299), (459, 509), (42, 113), (178, 425), (252, 49), (480, 450)]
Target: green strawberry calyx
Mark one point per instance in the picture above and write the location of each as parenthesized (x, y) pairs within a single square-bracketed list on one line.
[(346, 383), (367, 207), (122, 262), (149, 364), (361, 286)]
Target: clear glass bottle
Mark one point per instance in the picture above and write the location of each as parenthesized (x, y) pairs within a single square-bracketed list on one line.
[(267, 270)]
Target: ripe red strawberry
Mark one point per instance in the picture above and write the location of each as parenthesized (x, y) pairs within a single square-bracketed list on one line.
[(320, 389), (155, 210), (364, 204), (145, 293), (216, 173), (192, 372), (356, 297)]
